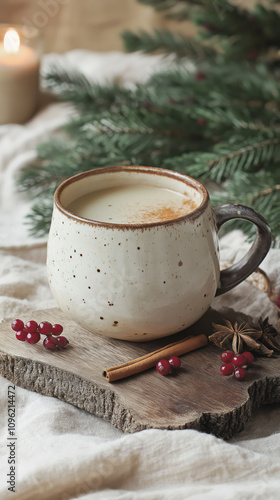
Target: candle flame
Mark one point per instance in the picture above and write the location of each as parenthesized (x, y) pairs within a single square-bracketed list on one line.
[(11, 41)]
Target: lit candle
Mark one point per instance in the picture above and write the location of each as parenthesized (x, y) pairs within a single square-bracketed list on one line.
[(19, 79)]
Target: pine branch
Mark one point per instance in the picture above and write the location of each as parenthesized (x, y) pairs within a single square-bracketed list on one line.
[(177, 10), (257, 190), (226, 161), (265, 192), (225, 23), (219, 89), (167, 42), (39, 219), (73, 86), (226, 86), (222, 23), (63, 162), (168, 126), (170, 4), (219, 18)]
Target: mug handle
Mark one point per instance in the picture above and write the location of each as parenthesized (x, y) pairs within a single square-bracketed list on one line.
[(232, 276)]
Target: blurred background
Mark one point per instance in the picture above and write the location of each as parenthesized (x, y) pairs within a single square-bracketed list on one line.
[(88, 24), (85, 24)]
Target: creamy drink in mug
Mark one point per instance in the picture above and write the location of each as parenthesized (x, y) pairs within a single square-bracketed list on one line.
[(133, 251)]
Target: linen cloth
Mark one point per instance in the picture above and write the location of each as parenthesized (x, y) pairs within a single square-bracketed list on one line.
[(65, 453)]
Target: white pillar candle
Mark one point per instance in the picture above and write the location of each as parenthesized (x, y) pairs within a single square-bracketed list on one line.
[(19, 79)]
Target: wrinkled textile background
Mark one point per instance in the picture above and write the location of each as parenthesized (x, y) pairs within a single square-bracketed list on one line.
[(65, 453)]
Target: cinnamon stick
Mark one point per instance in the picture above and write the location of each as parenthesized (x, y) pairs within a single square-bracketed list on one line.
[(149, 360)]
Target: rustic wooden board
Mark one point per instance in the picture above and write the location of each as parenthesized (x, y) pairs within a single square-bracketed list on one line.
[(197, 397)]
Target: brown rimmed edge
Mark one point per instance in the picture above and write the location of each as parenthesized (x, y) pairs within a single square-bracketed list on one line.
[(135, 169)]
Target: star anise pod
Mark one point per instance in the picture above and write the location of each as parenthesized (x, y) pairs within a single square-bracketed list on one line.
[(268, 334), (237, 337)]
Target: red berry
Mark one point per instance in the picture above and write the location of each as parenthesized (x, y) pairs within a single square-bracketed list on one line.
[(227, 356), (17, 325), (163, 367), (50, 343), (21, 334), (57, 329), (33, 337), (249, 357), (61, 341), (175, 362), (45, 328), (31, 326), (238, 360), (200, 76), (201, 121), (240, 373), (216, 29), (253, 55), (227, 369)]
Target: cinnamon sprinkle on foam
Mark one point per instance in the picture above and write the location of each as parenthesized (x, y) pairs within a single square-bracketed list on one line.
[(162, 214)]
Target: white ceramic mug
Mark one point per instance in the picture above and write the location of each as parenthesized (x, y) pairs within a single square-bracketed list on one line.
[(139, 282)]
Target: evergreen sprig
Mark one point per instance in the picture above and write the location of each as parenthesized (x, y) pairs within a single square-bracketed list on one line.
[(179, 11), (76, 88), (257, 190), (164, 41), (226, 160), (39, 219), (233, 31)]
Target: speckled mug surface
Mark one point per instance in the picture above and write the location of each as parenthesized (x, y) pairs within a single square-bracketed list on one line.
[(142, 281)]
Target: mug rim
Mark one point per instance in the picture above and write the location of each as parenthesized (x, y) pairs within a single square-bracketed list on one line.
[(192, 215)]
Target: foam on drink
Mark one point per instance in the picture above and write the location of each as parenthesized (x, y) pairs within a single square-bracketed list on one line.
[(133, 204)]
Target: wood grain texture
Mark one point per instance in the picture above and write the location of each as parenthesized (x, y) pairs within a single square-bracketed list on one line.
[(197, 397)]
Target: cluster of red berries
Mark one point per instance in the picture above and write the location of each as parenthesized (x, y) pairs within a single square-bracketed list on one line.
[(164, 366), (236, 364), (31, 332)]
